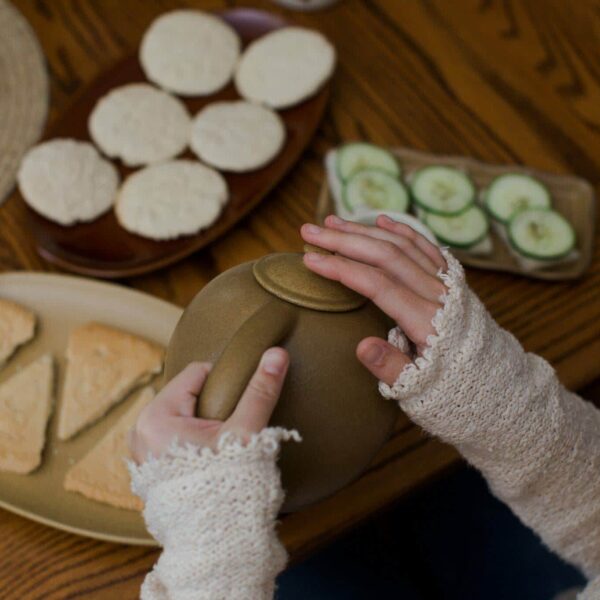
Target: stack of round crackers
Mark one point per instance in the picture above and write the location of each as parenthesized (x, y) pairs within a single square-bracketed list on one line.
[(145, 126)]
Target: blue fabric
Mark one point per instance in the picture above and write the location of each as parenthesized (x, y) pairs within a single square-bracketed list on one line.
[(453, 541)]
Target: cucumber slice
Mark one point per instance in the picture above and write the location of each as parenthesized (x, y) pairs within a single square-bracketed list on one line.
[(461, 231), (510, 193), (357, 156), (541, 234), (375, 190), (442, 190)]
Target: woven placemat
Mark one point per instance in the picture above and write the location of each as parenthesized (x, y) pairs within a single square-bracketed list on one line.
[(23, 92)]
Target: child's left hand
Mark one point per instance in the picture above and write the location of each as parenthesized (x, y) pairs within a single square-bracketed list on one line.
[(392, 265)]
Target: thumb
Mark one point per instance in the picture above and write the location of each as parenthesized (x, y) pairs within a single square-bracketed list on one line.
[(382, 359)]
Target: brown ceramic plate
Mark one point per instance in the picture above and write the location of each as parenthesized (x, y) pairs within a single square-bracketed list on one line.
[(61, 303), (104, 249), (573, 197)]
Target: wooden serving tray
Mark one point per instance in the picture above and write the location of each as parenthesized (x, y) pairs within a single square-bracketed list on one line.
[(572, 196), (102, 248), (61, 303)]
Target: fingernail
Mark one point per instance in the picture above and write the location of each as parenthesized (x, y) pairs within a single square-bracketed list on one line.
[(312, 229), (386, 218), (335, 220), (273, 361), (314, 256), (374, 354)]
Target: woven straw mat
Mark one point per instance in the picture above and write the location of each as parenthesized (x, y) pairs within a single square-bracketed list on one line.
[(23, 93)]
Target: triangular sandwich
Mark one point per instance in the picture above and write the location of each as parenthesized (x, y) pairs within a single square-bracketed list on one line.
[(25, 406), (102, 474), (104, 366), (17, 326)]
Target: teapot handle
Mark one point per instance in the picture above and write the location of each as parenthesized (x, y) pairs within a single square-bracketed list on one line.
[(266, 327)]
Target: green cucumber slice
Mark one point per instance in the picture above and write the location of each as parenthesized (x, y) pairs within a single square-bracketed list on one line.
[(442, 190), (510, 193), (357, 156), (541, 234), (375, 190), (461, 231)]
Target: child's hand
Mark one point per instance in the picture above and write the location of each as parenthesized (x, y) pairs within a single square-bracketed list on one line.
[(392, 265), (171, 413)]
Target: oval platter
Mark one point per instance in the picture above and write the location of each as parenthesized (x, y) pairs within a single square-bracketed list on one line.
[(102, 248), (62, 302)]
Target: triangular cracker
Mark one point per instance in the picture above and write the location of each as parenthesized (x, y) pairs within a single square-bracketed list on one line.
[(25, 405), (17, 326), (102, 474), (104, 366)]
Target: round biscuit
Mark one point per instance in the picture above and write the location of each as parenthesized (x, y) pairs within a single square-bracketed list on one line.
[(237, 136), (139, 124), (67, 181), (189, 52), (171, 199), (284, 67)]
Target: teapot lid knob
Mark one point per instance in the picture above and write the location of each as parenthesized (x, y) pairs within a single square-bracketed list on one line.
[(284, 275)]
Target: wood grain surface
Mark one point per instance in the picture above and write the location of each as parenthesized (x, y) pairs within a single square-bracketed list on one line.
[(500, 80)]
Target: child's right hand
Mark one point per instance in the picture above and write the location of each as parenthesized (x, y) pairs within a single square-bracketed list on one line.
[(392, 265), (171, 413)]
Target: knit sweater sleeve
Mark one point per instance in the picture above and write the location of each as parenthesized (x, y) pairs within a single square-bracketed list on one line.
[(214, 515), (536, 443)]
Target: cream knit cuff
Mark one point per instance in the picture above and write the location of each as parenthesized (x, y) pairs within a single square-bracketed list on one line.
[(214, 513), (591, 592), (473, 381), (448, 323)]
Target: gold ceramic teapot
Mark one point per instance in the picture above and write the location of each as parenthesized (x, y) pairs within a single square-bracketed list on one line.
[(328, 396)]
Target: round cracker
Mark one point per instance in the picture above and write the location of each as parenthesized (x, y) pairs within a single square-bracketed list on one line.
[(67, 181), (189, 52), (284, 67), (139, 124), (237, 136), (171, 199)]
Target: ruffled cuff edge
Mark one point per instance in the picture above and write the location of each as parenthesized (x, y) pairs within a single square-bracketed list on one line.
[(419, 373), (184, 458)]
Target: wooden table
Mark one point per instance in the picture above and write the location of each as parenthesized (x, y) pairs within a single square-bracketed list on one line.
[(508, 82)]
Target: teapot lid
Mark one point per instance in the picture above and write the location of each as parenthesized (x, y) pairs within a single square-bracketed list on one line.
[(285, 276)]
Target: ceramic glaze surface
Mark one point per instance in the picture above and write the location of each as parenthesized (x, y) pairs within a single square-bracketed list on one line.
[(329, 397), (285, 276)]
